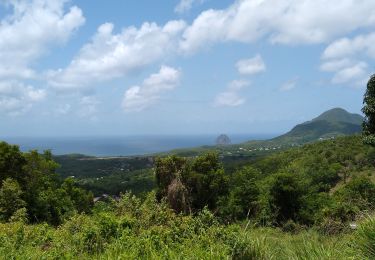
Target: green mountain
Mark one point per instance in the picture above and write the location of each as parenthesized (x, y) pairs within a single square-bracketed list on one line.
[(340, 115), (332, 123)]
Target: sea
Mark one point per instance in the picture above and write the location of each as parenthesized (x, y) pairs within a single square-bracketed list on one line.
[(122, 145)]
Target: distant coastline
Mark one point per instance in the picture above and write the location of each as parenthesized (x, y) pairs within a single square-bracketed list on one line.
[(123, 145)]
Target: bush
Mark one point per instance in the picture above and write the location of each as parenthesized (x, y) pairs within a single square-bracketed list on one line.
[(365, 238)]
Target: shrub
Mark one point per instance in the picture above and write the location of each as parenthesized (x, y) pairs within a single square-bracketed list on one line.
[(365, 238)]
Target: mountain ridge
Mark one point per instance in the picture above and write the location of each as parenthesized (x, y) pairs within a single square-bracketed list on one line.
[(331, 123)]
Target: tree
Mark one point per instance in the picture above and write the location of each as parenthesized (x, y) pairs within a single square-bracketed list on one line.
[(12, 162), (29, 186), (206, 181), (82, 200), (286, 197), (369, 111), (10, 199), (243, 196), (360, 192), (166, 170), (190, 184)]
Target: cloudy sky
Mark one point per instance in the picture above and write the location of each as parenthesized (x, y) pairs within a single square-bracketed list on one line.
[(179, 66)]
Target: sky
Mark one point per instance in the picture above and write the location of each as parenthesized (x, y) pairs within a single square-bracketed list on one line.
[(73, 68)]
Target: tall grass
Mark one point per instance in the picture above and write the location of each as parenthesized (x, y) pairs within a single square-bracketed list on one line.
[(130, 230), (365, 238)]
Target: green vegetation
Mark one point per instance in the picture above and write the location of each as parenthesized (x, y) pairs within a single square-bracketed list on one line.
[(331, 124), (108, 175), (135, 229), (112, 175), (315, 201), (191, 186), (369, 111), (324, 182), (30, 189)]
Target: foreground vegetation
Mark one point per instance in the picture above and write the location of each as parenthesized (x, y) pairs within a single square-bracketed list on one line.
[(310, 202), (131, 229)]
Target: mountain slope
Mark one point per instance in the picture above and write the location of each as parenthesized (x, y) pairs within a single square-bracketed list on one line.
[(340, 115), (332, 123)]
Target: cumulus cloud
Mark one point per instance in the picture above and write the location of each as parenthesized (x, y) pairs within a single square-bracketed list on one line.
[(356, 73), (17, 98), (231, 96), (289, 85), (346, 57), (110, 55), (138, 98), (251, 66), (30, 29), (335, 65), (346, 47), (285, 22), (347, 71)]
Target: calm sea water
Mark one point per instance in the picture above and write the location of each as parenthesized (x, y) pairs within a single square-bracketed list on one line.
[(120, 146)]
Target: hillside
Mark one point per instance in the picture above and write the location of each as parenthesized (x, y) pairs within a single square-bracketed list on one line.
[(312, 194), (330, 124), (340, 115), (112, 175)]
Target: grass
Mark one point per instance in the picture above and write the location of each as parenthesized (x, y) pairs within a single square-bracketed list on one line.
[(176, 237)]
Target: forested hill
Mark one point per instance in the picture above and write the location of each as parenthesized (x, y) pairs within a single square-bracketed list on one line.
[(330, 124), (313, 194)]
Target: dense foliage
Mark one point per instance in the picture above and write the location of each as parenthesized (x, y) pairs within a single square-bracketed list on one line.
[(30, 188), (310, 202), (369, 111), (320, 183), (135, 229), (190, 185), (110, 175)]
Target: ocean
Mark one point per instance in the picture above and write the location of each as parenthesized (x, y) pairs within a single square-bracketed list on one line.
[(120, 146)]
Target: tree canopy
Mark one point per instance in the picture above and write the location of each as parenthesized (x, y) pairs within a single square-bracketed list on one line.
[(29, 184), (369, 111)]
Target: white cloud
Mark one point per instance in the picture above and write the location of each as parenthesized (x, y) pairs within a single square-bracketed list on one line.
[(346, 47), (355, 73), (335, 65), (185, 5), (251, 66), (237, 85), (231, 96), (138, 98), (289, 85), (346, 58), (347, 71), (111, 55), (285, 22), (17, 98), (26, 34)]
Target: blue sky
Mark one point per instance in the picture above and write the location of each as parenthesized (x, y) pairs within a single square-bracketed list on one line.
[(179, 67)]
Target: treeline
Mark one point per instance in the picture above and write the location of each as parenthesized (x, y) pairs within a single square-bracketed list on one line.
[(146, 229), (31, 191), (295, 204), (326, 184)]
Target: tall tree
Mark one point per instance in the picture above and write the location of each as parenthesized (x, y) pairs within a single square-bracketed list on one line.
[(10, 199), (369, 111)]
